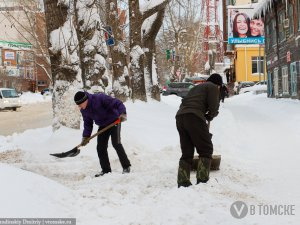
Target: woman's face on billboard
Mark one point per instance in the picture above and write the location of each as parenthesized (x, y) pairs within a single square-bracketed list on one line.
[(256, 27), (241, 25)]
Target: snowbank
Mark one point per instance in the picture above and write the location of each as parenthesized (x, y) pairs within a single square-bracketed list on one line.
[(30, 98)]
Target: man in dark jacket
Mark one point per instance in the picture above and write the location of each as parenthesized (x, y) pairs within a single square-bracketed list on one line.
[(103, 110), (223, 92), (200, 105)]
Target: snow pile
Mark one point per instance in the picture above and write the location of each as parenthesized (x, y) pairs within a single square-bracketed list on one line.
[(25, 194), (29, 98)]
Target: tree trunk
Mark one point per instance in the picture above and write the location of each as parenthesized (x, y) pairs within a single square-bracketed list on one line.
[(63, 76), (149, 44), (118, 53), (137, 53)]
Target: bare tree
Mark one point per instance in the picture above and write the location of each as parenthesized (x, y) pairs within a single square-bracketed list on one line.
[(149, 43), (77, 54), (136, 52), (182, 36)]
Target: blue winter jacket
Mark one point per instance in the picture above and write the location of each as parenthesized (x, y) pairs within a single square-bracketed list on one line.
[(102, 109)]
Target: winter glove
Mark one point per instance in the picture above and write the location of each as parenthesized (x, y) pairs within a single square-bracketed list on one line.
[(208, 117), (85, 141), (123, 117)]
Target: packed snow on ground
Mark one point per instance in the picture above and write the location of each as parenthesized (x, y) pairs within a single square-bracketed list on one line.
[(258, 139)]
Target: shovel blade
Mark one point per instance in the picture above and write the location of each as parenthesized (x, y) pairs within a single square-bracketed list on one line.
[(75, 151)]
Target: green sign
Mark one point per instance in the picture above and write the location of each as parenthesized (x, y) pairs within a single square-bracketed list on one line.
[(9, 44)]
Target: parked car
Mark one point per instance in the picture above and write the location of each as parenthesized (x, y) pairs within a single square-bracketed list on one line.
[(46, 91), (242, 84), (259, 87), (177, 88), (9, 99)]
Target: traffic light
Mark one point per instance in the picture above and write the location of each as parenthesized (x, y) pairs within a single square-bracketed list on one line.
[(168, 54)]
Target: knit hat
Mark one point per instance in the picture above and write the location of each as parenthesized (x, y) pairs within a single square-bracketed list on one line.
[(80, 97), (216, 79)]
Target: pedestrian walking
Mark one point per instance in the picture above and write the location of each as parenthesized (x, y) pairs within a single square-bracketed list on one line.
[(223, 92), (103, 110), (200, 105)]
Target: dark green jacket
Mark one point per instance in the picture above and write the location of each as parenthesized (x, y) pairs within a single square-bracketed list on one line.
[(201, 99)]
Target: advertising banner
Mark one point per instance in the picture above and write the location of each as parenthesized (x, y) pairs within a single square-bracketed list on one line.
[(242, 28)]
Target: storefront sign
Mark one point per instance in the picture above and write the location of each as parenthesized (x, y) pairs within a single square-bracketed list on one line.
[(9, 55)]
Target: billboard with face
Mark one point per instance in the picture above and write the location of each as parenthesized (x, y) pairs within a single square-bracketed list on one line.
[(242, 29)]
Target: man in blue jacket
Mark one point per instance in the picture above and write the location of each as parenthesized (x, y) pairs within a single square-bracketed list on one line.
[(103, 110)]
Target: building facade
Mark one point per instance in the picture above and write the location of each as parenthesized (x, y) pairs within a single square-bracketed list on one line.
[(282, 27), (24, 61), (249, 63)]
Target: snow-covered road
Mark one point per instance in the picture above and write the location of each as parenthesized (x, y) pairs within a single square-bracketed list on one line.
[(256, 136)]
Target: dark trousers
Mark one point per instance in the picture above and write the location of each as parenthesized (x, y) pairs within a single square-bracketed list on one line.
[(102, 144), (194, 133)]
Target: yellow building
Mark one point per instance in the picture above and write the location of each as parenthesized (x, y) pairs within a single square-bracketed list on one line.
[(249, 63)]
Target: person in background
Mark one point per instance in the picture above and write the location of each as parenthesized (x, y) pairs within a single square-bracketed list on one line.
[(103, 110), (200, 105), (241, 26), (223, 92)]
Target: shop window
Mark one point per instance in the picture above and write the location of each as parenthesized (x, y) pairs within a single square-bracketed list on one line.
[(257, 64)]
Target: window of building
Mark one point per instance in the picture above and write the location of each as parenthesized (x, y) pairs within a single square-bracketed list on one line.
[(298, 14), (42, 82), (29, 73), (273, 33), (19, 57), (293, 70), (276, 86), (7, 63), (291, 19), (285, 80), (281, 29), (257, 64), (267, 34)]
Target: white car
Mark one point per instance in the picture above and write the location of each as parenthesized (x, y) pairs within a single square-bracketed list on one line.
[(259, 87), (9, 99)]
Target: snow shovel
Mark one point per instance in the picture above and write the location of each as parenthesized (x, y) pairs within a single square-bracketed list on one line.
[(75, 151)]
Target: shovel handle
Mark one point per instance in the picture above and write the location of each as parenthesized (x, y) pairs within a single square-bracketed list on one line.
[(102, 130)]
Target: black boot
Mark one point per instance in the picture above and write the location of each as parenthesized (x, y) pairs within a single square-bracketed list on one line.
[(183, 178), (203, 170), (101, 173), (126, 170)]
